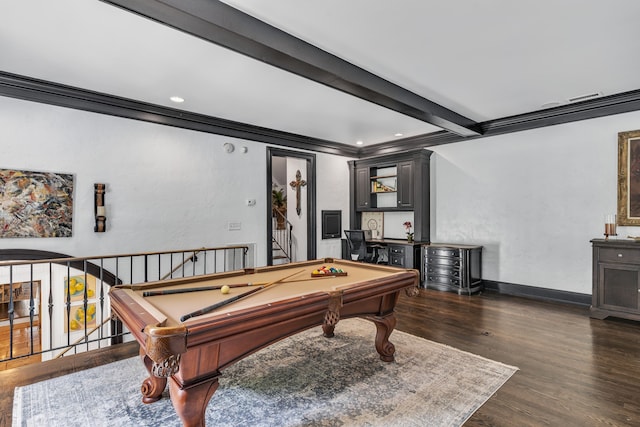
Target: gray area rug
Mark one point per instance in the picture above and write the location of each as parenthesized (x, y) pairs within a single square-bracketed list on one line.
[(304, 380)]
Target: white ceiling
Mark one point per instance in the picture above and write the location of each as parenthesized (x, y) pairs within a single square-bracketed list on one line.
[(483, 59)]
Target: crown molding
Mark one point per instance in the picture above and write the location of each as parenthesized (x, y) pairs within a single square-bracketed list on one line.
[(26, 88), (30, 89), (600, 107)]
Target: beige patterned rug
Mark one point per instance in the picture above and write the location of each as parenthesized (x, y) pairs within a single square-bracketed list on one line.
[(304, 380)]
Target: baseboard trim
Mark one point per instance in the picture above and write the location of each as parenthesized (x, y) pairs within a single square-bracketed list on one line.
[(537, 293)]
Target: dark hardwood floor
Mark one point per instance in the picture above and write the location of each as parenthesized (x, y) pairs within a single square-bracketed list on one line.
[(574, 370)]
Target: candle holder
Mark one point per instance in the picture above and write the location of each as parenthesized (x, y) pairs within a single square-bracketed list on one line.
[(99, 210), (609, 226)]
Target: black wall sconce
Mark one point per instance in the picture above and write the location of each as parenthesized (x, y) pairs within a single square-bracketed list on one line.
[(99, 209)]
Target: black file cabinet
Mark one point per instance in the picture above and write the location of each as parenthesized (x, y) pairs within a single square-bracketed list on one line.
[(452, 267)]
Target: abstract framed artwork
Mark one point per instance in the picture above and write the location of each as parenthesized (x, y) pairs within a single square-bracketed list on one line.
[(35, 204)]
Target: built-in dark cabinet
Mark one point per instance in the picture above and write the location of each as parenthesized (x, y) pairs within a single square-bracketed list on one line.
[(406, 256), (363, 198), (405, 184), (398, 182), (616, 279)]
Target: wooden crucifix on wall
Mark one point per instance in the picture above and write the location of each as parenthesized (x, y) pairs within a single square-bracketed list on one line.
[(297, 185)]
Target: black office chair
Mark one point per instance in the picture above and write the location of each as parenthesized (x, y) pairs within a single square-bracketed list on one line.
[(358, 247)]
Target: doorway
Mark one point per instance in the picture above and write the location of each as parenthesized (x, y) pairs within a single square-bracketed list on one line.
[(292, 176)]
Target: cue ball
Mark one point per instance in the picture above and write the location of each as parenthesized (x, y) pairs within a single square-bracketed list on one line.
[(225, 289)]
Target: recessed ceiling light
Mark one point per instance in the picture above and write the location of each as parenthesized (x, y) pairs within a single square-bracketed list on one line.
[(176, 99), (359, 142), (398, 134)]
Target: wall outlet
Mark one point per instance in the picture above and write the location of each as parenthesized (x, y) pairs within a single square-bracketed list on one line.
[(234, 226)]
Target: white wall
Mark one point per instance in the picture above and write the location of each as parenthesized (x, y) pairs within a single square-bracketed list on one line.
[(167, 188), (533, 199), (331, 190)]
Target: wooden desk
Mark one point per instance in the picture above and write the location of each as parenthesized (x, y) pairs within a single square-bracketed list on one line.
[(400, 253)]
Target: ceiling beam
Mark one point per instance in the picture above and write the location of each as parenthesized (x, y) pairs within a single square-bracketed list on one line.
[(226, 26), (30, 89), (618, 103)]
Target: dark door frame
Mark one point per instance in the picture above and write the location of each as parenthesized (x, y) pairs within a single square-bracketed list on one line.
[(311, 198)]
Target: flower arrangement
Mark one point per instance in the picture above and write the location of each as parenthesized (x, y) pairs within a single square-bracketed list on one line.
[(407, 226)]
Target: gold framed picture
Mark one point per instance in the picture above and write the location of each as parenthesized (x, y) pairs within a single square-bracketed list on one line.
[(629, 178)]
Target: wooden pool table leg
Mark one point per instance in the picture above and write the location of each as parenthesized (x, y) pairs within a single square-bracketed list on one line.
[(153, 386), (191, 403), (384, 327)]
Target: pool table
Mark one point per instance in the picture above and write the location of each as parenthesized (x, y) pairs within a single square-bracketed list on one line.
[(285, 299)]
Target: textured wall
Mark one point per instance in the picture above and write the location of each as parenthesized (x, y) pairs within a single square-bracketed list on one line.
[(167, 188), (534, 199)]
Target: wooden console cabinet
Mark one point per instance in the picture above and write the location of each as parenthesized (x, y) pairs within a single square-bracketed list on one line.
[(616, 279), (452, 267)]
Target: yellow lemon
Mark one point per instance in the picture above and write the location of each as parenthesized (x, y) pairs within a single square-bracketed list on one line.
[(91, 310), (73, 324), (90, 293), (79, 287), (225, 289)]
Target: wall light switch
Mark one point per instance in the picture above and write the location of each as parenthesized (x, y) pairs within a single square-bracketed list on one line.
[(234, 226), (251, 202)]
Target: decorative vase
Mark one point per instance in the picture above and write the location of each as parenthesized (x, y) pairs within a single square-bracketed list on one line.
[(410, 238)]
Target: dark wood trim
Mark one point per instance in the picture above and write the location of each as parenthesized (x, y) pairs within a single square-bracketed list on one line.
[(591, 109), (311, 198), (30, 89), (26, 88), (537, 293), (32, 255), (233, 29)]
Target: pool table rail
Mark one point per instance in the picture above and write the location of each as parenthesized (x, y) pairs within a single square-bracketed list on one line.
[(192, 354)]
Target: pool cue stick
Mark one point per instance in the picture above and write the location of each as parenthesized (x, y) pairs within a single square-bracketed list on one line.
[(219, 304), (216, 287), (186, 290), (234, 298)]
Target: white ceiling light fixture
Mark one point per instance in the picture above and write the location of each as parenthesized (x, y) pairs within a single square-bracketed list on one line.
[(359, 142), (177, 99), (398, 134)]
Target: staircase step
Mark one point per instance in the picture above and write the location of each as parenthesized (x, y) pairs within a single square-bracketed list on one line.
[(280, 257)]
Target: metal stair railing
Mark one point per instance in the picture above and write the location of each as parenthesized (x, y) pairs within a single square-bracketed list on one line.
[(281, 237), (38, 301)]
